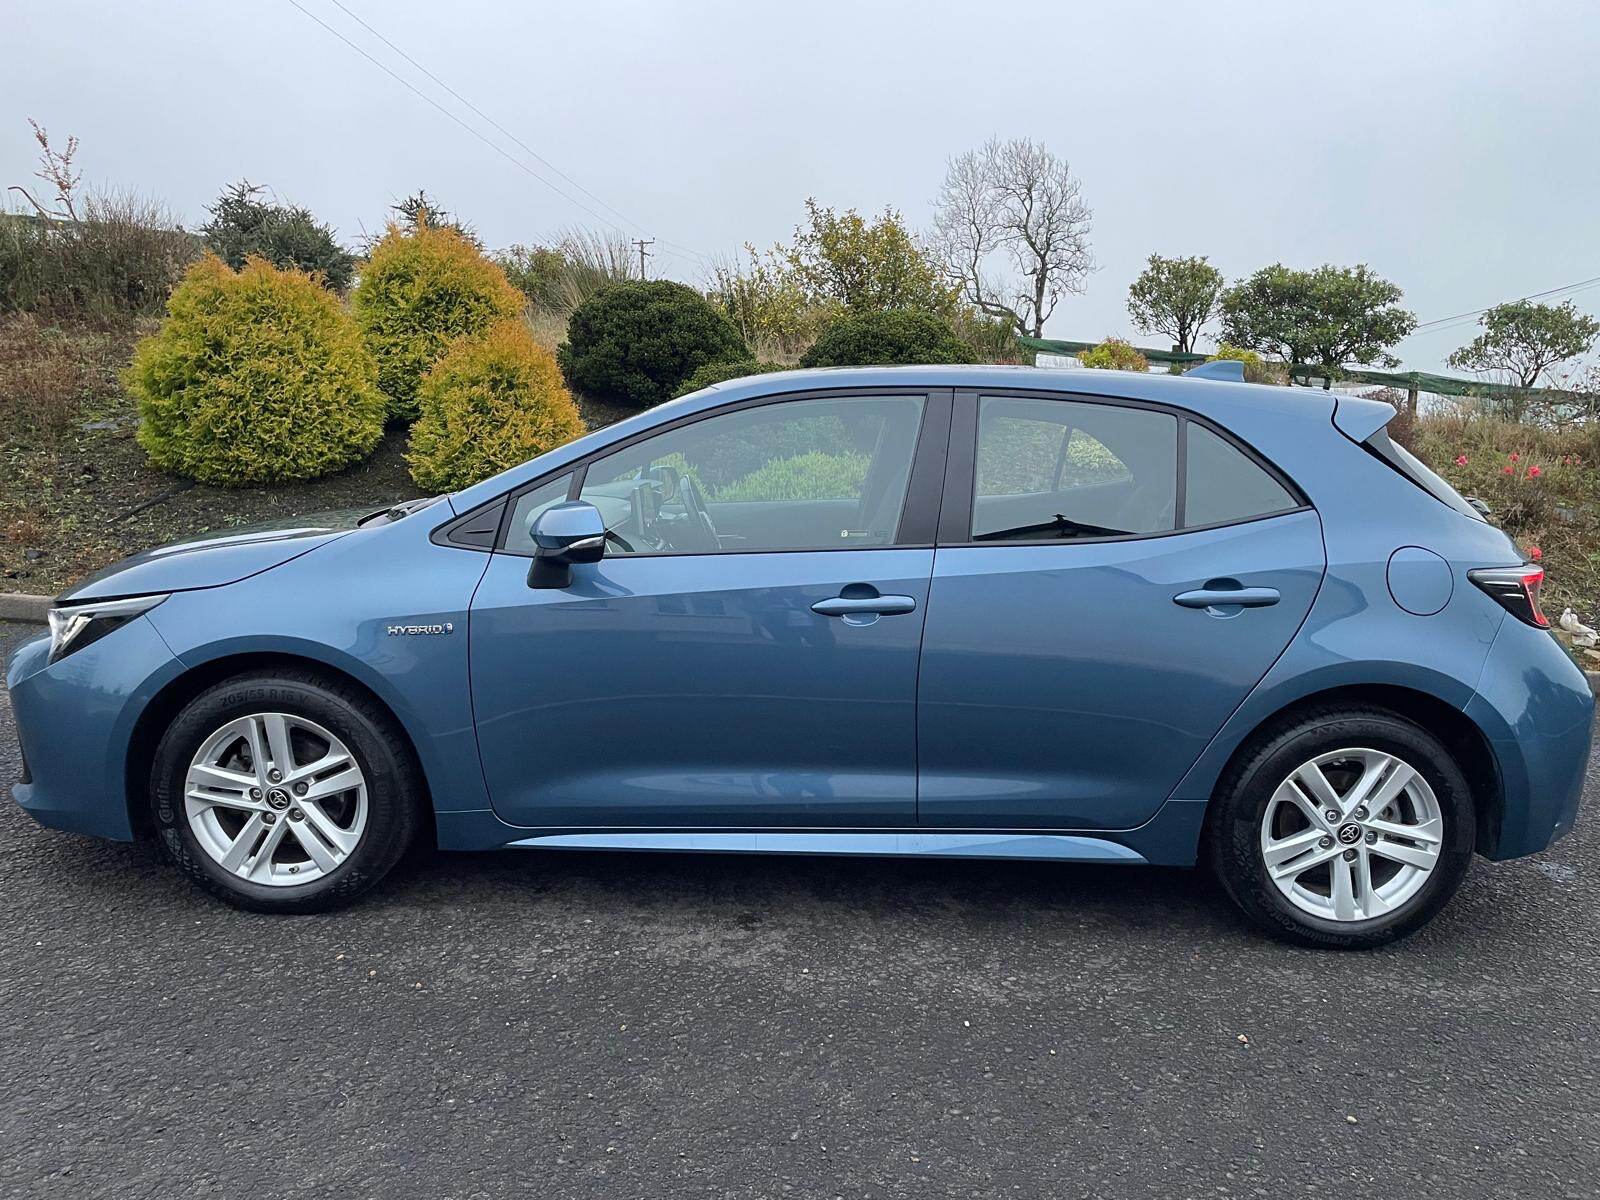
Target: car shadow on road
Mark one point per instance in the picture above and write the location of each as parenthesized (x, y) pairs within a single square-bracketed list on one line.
[(742, 887)]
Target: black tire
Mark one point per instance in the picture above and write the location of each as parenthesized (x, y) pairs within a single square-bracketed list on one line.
[(1239, 806), (394, 787)]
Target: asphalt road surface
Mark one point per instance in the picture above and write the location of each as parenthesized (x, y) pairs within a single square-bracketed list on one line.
[(575, 1025)]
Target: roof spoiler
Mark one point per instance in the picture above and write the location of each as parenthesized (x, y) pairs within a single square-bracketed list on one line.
[(1230, 370), (1358, 418)]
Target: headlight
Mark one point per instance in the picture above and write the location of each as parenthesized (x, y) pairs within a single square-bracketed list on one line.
[(74, 626)]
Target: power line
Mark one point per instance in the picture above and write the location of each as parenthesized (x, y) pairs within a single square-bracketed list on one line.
[(406, 83), (1443, 321), (375, 33)]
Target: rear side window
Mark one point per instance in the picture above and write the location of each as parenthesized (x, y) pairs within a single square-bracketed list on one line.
[(1054, 470), (1223, 484), (1419, 473)]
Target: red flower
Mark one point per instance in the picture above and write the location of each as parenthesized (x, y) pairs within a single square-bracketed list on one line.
[(1461, 460), (1535, 553), (1515, 457), (1506, 470), (1534, 472)]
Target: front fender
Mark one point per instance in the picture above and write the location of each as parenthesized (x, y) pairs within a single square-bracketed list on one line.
[(390, 612)]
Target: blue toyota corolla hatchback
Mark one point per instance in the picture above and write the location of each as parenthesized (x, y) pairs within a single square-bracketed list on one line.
[(942, 611)]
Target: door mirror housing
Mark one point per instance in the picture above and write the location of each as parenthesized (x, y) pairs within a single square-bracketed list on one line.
[(564, 534)]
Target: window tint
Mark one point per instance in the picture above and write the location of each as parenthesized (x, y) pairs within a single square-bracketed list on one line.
[(797, 475), (529, 505), (1223, 484), (1061, 469)]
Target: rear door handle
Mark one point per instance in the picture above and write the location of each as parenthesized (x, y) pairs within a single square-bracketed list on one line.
[(1257, 597), (851, 606)]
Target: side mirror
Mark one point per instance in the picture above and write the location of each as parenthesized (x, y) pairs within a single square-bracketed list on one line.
[(564, 534)]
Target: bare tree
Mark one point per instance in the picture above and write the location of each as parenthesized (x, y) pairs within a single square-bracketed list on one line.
[(56, 170), (1011, 227)]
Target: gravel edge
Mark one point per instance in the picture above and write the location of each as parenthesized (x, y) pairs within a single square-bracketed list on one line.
[(19, 606)]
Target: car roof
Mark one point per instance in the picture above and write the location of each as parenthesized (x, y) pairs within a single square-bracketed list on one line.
[(1177, 390)]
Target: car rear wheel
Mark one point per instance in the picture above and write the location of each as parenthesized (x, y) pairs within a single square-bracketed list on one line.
[(284, 792), (1347, 828)]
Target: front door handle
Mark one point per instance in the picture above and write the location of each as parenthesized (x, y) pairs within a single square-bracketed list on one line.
[(1243, 597), (853, 606)]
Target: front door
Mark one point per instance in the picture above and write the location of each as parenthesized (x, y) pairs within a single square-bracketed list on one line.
[(745, 655), (1091, 623)]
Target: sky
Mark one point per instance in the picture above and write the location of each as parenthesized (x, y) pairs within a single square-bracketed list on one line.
[(1449, 146)]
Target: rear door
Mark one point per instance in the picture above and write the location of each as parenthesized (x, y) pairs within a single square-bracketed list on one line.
[(1111, 580)]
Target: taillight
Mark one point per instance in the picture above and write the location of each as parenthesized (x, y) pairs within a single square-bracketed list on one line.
[(1517, 590)]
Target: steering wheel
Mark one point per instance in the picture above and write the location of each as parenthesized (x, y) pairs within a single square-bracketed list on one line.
[(703, 530)]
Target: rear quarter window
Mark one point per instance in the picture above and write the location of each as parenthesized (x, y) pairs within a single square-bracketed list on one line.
[(1223, 484)]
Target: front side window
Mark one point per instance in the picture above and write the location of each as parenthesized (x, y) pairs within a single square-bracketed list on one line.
[(818, 474), (519, 536), (1050, 470)]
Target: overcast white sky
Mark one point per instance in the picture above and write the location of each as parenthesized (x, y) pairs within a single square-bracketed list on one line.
[(1451, 146)]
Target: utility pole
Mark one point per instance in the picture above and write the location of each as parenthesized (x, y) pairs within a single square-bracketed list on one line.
[(642, 243)]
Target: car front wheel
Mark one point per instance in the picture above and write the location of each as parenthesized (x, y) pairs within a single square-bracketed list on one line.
[(1348, 828), (284, 792)]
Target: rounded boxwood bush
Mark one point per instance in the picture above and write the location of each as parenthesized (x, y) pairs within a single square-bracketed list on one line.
[(255, 377), (888, 338), (721, 372), (490, 403), (639, 342), (419, 292)]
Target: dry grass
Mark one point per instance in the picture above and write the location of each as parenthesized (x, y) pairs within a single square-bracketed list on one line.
[(122, 258), (52, 377), (1541, 485)]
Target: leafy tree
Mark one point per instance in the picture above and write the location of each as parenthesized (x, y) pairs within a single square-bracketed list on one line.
[(243, 225), (639, 342), (1522, 340), (1114, 354), (843, 260), (257, 376), (1322, 318), (1013, 205), (419, 292), (766, 303), (1175, 296), (886, 339), (490, 403), (535, 271)]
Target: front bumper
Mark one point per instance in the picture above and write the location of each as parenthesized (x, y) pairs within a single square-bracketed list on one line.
[(75, 719), (1537, 709)]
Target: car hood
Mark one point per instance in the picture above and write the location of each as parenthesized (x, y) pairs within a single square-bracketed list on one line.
[(217, 558)]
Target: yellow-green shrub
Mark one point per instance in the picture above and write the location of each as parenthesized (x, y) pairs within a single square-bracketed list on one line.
[(1114, 354), (490, 403), (419, 292), (255, 377)]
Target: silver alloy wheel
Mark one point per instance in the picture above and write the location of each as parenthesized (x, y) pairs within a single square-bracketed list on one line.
[(275, 799), (1352, 835)]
